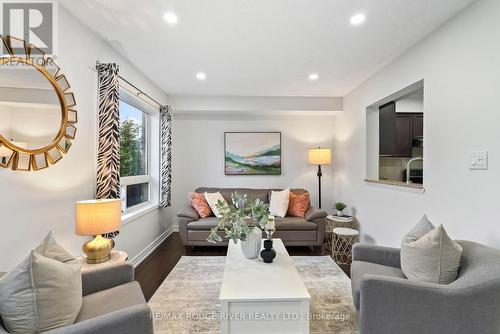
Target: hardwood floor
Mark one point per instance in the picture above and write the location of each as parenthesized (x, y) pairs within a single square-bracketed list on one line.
[(156, 267)]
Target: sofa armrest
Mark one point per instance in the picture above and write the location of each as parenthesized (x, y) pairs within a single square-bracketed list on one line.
[(103, 278), (386, 256), (313, 213), (188, 212), (131, 320)]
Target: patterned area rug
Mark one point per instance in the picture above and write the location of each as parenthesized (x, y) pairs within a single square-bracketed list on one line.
[(188, 300)]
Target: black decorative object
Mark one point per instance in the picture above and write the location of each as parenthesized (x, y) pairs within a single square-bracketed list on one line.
[(268, 254)]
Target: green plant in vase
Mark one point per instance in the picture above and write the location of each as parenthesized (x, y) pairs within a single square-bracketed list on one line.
[(242, 220), (340, 208)]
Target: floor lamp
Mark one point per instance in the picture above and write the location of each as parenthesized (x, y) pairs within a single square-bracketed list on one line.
[(320, 156)]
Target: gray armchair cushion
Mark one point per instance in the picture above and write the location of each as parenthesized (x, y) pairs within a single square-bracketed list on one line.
[(360, 268), (294, 224), (110, 300), (102, 278), (313, 213), (188, 212)]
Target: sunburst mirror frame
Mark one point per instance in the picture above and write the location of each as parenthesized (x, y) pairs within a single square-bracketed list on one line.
[(24, 159)]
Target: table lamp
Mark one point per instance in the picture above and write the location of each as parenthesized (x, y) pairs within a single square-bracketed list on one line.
[(320, 156), (94, 218)]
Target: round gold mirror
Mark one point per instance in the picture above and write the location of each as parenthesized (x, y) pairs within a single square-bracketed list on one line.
[(37, 109)]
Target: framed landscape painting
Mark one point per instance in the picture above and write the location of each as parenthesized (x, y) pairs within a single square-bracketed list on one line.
[(252, 153)]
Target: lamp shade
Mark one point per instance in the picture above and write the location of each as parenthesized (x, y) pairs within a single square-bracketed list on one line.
[(98, 216), (320, 156)]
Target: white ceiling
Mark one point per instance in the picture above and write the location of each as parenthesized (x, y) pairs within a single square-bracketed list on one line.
[(262, 47)]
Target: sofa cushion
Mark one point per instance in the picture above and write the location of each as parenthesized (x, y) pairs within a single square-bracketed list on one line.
[(294, 224), (298, 205), (360, 268), (110, 300), (279, 202), (252, 194), (199, 203), (203, 223)]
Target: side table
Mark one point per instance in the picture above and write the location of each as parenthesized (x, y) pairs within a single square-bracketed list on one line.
[(116, 257), (332, 222), (343, 239)]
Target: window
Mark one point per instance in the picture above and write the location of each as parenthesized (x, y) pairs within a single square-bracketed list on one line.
[(134, 154), (395, 138)]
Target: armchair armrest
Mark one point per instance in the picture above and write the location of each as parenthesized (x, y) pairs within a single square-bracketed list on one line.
[(392, 305), (313, 213), (386, 256), (130, 320), (188, 212), (103, 278)]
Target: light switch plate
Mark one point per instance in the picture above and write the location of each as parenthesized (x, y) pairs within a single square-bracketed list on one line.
[(478, 160)]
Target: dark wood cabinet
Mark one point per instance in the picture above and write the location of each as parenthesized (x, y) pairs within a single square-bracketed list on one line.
[(387, 129), (418, 125), (397, 131), (403, 135)]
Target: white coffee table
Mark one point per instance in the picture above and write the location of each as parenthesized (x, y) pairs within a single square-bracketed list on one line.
[(258, 297)]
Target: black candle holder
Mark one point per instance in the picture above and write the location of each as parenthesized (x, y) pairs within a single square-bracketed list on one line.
[(268, 254)]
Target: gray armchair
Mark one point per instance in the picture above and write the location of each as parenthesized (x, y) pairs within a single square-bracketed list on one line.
[(391, 304), (113, 303)]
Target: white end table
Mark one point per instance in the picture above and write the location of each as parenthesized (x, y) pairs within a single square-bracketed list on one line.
[(116, 257), (343, 239), (332, 222)]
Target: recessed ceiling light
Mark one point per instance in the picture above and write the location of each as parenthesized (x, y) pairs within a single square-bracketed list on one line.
[(170, 18), (201, 76), (313, 76), (357, 19)]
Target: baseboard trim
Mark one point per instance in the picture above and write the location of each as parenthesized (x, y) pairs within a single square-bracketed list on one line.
[(152, 246)]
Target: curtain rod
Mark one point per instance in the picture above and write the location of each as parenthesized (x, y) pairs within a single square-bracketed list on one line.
[(140, 92)]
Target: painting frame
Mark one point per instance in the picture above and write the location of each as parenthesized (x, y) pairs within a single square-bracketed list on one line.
[(257, 170)]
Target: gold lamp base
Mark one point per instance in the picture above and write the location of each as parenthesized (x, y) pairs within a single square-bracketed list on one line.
[(98, 250)]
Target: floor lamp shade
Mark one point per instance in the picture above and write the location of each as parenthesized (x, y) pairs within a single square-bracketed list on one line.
[(319, 156), (96, 217)]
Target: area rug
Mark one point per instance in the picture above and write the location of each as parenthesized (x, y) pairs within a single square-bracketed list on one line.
[(188, 300)]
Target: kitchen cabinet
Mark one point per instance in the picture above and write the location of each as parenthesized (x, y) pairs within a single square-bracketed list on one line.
[(387, 129), (397, 131)]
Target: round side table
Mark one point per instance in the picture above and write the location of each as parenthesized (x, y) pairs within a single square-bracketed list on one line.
[(332, 222), (343, 239), (116, 256)]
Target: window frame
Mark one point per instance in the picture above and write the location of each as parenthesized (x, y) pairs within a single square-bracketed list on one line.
[(125, 181)]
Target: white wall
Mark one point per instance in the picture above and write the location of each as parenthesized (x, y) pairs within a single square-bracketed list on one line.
[(459, 65), (36, 202), (199, 152)]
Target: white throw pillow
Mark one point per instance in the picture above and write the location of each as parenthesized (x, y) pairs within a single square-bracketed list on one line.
[(212, 199), (428, 254), (278, 205), (44, 292)]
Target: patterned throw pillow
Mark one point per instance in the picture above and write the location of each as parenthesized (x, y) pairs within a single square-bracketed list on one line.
[(298, 205), (200, 204)]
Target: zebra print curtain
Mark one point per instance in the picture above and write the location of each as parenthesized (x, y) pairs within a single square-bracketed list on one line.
[(166, 156), (108, 150)]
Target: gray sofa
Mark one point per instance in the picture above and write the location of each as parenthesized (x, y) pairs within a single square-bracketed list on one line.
[(389, 303), (113, 303), (308, 231)]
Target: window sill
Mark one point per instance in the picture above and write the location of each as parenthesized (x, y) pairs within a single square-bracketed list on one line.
[(136, 213), (419, 188)]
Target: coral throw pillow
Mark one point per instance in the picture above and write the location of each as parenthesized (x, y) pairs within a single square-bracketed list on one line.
[(298, 205), (201, 206)]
